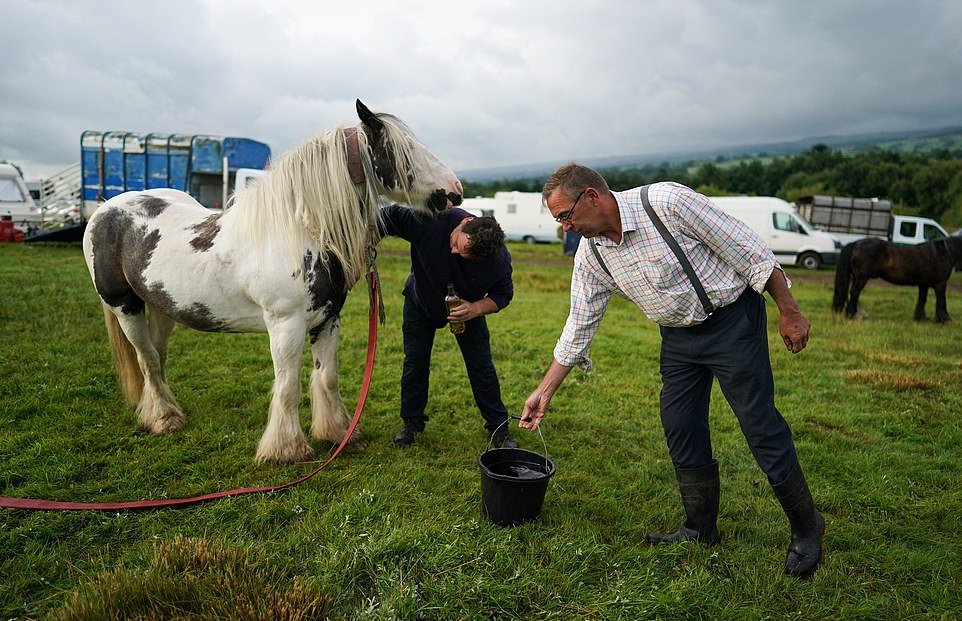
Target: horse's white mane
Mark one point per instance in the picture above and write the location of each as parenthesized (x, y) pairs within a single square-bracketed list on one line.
[(308, 196)]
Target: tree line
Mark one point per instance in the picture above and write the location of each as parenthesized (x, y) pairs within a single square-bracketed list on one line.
[(924, 184)]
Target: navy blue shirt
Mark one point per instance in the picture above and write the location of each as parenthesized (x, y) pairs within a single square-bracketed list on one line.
[(433, 266)]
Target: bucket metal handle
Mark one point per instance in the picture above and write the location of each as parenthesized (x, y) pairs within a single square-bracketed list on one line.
[(515, 417)]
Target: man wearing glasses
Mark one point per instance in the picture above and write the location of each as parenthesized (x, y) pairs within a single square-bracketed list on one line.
[(699, 273), (453, 248)]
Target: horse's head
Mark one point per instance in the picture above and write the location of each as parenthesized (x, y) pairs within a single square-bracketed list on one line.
[(407, 170)]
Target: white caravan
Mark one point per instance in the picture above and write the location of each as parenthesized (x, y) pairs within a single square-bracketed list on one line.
[(792, 239), (522, 216)]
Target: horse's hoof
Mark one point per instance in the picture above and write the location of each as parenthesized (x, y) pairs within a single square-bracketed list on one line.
[(357, 442), (165, 423), (285, 455)]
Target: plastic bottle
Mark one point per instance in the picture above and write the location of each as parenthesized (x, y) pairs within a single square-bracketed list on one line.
[(452, 300)]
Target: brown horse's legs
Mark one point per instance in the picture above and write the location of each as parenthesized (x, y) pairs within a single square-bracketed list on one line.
[(941, 310), (858, 284), (920, 305)]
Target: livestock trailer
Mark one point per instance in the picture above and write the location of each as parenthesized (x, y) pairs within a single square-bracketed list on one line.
[(114, 162)]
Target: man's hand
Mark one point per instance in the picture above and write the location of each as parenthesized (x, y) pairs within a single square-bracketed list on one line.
[(466, 311), (792, 324), (794, 328), (535, 407)]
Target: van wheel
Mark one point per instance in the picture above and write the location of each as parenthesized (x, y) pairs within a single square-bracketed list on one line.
[(528, 239), (810, 260)]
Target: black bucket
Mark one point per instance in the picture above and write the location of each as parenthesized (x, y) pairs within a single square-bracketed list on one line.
[(513, 483)]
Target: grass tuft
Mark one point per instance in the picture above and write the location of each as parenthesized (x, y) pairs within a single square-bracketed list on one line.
[(198, 579)]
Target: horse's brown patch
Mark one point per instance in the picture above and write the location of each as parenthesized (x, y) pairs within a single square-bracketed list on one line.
[(151, 206), (206, 232), (120, 249)]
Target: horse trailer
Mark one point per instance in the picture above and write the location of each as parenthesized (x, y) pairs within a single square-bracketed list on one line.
[(852, 219), (115, 162)]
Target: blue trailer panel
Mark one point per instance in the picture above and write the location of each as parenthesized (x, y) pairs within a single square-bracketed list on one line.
[(117, 161)]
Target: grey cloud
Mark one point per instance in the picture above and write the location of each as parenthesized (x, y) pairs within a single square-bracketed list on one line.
[(482, 83)]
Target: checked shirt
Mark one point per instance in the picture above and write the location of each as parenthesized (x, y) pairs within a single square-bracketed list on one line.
[(725, 253)]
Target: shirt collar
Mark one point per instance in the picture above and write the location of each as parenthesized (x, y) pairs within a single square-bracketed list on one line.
[(629, 219)]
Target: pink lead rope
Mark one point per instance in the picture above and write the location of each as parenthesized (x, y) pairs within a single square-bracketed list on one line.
[(38, 504)]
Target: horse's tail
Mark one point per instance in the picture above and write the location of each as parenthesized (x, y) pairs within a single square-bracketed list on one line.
[(129, 375), (843, 276)]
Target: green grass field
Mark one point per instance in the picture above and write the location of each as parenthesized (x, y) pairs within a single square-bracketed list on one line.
[(398, 534)]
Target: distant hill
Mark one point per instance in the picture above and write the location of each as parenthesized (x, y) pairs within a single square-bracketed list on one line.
[(920, 141)]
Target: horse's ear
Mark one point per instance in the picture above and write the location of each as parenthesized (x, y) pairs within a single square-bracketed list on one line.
[(369, 118)]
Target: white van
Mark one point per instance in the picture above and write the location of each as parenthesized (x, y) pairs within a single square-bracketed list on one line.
[(792, 239), (15, 199)]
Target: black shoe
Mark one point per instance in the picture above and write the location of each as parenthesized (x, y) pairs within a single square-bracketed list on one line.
[(405, 436), (502, 439)]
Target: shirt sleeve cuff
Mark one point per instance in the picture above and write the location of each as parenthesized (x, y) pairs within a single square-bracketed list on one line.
[(583, 362), (760, 275)]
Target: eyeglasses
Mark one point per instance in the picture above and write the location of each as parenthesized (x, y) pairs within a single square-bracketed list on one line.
[(566, 215)]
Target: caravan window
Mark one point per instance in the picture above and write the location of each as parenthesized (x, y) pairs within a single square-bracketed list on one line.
[(10, 191), (512, 207), (787, 222)]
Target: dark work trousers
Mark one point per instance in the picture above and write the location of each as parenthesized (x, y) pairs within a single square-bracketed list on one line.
[(475, 347), (731, 345)]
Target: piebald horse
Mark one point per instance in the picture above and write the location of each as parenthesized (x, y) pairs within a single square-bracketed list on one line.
[(280, 259)]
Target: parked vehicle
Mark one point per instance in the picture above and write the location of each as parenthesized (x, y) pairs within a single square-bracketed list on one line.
[(478, 206), (15, 200), (851, 219), (792, 239), (522, 215), (208, 168), (115, 162)]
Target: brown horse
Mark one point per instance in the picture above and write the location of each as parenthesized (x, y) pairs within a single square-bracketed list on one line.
[(926, 265)]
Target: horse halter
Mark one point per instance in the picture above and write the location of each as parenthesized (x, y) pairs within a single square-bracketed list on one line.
[(354, 166)]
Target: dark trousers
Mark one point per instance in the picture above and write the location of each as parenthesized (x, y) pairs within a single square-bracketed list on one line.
[(731, 345), (475, 347)]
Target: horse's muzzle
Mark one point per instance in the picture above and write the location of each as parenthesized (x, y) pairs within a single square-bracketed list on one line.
[(438, 201)]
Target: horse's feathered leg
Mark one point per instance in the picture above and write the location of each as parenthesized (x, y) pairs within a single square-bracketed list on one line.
[(329, 419), (283, 440), (852, 310), (941, 308), (157, 410), (160, 327), (919, 314)]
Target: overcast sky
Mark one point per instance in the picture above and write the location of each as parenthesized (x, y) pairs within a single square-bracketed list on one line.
[(482, 83)]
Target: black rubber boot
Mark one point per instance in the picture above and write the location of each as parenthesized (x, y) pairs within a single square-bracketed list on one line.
[(808, 525), (699, 493)]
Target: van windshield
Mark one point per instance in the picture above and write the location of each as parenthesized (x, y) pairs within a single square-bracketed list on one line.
[(787, 222), (10, 191)]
